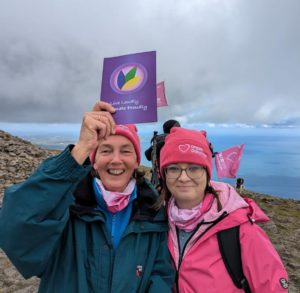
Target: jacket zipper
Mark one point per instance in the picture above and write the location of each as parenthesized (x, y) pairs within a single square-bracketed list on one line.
[(182, 253), (111, 252), (112, 259)]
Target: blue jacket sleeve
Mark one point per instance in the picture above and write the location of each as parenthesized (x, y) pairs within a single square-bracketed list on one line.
[(35, 212)]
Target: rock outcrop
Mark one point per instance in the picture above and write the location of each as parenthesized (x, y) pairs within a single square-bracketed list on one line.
[(19, 158)]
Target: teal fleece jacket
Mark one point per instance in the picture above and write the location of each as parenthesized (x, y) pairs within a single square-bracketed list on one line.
[(50, 228)]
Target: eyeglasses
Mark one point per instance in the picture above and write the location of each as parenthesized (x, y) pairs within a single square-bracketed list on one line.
[(193, 171)]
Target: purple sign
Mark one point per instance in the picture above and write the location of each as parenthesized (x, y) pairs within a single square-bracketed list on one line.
[(129, 84)]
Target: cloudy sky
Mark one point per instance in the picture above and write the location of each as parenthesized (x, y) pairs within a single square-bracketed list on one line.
[(234, 61)]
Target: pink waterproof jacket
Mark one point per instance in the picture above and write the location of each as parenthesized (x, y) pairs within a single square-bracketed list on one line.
[(201, 268)]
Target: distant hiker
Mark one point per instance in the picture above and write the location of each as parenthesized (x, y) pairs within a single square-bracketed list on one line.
[(84, 221), (152, 153), (167, 126), (239, 183), (211, 147), (214, 240)]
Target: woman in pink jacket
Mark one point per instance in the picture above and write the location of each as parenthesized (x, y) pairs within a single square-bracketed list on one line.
[(198, 209)]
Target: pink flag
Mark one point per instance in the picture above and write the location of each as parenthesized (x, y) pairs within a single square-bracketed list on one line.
[(228, 161), (161, 96)]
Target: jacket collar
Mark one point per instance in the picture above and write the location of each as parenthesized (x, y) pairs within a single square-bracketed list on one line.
[(142, 210)]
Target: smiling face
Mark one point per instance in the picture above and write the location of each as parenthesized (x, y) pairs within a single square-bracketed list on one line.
[(115, 162), (187, 192)]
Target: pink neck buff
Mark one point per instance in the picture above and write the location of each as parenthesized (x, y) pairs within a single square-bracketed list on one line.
[(188, 219), (117, 201)]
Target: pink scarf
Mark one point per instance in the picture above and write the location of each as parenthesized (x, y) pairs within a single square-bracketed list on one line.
[(117, 201), (188, 219)]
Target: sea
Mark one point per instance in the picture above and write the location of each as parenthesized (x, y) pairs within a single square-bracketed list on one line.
[(270, 163)]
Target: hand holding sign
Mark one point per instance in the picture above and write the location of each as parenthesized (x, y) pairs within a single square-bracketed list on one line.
[(96, 125)]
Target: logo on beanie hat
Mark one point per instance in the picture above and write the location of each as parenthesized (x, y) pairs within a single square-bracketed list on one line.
[(192, 148), (126, 128), (184, 147)]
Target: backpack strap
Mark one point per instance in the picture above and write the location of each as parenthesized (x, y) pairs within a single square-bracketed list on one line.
[(230, 248)]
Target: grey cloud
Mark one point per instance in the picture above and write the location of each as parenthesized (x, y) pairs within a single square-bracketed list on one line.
[(222, 61)]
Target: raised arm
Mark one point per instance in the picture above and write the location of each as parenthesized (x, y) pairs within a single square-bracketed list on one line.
[(35, 212)]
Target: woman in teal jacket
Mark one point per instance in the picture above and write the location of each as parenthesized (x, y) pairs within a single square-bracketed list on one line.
[(85, 233)]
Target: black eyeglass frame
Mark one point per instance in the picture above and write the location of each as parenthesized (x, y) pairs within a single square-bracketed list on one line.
[(186, 171)]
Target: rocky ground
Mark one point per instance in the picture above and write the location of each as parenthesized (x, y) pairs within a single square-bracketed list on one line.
[(19, 158)]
